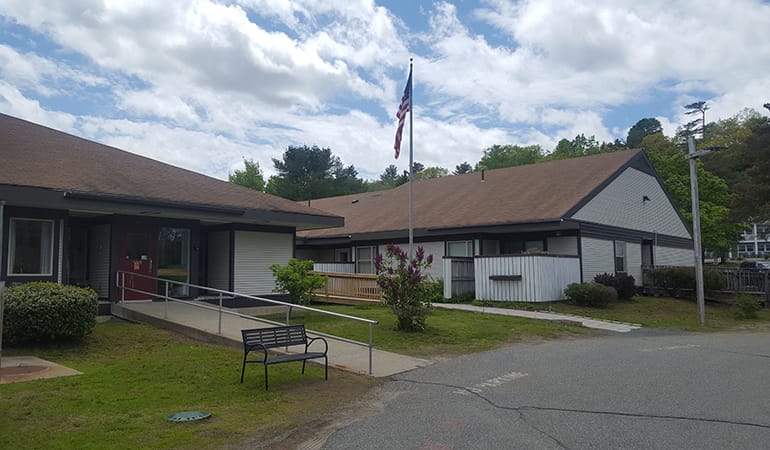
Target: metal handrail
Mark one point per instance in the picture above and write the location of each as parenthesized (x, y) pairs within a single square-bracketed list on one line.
[(120, 283)]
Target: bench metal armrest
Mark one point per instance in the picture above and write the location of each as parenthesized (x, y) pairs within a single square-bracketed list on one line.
[(311, 340), (257, 347)]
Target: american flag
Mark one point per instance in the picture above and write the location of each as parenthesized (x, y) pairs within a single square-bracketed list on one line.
[(406, 100)]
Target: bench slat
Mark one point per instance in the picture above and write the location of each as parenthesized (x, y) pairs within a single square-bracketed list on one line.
[(275, 337)]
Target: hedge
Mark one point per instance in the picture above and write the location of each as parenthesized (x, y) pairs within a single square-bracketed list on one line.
[(591, 294), (677, 279), (41, 312)]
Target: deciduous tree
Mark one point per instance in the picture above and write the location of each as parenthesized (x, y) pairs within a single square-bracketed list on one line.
[(431, 172), (498, 156), (642, 129), (718, 231), (250, 177)]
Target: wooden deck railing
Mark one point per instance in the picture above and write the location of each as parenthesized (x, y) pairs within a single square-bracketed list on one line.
[(352, 286)]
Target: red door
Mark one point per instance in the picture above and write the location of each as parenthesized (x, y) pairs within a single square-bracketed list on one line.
[(137, 251)]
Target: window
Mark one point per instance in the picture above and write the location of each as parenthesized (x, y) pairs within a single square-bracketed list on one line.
[(365, 259), (341, 255), (534, 246), (30, 247), (459, 248), (620, 257), (173, 259), (509, 247)]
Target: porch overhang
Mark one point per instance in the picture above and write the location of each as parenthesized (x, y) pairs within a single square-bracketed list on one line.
[(102, 204), (557, 225)]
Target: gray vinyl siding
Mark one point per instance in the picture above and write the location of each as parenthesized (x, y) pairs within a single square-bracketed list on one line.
[(667, 256), (99, 259), (218, 262), (598, 257), (255, 252), (563, 245), (621, 204), (436, 270)]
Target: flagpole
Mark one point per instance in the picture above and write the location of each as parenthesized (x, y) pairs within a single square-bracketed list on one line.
[(411, 161)]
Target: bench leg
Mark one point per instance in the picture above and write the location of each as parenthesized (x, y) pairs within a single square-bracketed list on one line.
[(265, 376), (243, 369), (326, 367)]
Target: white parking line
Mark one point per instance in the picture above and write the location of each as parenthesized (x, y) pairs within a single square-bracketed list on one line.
[(668, 348), (492, 382)]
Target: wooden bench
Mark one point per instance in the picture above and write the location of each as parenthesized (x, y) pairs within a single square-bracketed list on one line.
[(262, 339)]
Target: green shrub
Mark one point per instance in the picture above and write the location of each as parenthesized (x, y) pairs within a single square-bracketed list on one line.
[(712, 280), (468, 297), (296, 280), (592, 294), (623, 284), (746, 307), (434, 291), (677, 279), (45, 312)]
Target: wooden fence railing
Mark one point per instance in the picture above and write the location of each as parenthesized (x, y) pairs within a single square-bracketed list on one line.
[(735, 281), (350, 286)]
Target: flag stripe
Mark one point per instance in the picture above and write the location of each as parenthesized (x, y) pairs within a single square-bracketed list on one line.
[(406, 100)]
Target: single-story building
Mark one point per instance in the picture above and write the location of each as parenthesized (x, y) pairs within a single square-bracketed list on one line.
[(518, 233), (77, 212)]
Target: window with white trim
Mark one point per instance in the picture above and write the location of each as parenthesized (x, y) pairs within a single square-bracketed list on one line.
[(620, 257), (459, 248), (30, 247), (365, 259)]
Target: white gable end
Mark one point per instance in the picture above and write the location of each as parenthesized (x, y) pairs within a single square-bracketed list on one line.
[(621, 204)]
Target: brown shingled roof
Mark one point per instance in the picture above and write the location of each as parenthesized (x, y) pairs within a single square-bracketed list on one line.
[(514, 195), (37, 156)]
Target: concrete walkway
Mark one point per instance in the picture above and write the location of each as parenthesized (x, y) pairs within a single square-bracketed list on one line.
[(203, 324), (584, 321)]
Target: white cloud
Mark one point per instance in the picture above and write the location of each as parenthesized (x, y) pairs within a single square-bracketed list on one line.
[(42, 75), (607, 52), (202, 84), (13, 102)]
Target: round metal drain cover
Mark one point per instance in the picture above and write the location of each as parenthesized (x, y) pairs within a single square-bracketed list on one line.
[(186, 416)]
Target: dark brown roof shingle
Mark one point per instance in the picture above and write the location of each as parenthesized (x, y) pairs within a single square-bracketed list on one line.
[(37, 156), (514, 195)]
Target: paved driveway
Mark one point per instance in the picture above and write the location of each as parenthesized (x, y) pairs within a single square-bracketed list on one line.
[(703, 391)]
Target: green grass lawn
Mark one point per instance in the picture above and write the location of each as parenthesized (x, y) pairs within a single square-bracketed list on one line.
[(135, 375), (658, 312), (448, 333)]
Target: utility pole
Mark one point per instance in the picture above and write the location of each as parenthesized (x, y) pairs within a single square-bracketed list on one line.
[(692, 156)]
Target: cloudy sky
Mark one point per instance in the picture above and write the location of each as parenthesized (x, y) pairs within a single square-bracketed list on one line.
[(202, 84)]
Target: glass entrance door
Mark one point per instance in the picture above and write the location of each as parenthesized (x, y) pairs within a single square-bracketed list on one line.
[(174, 260), (137, 256)]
